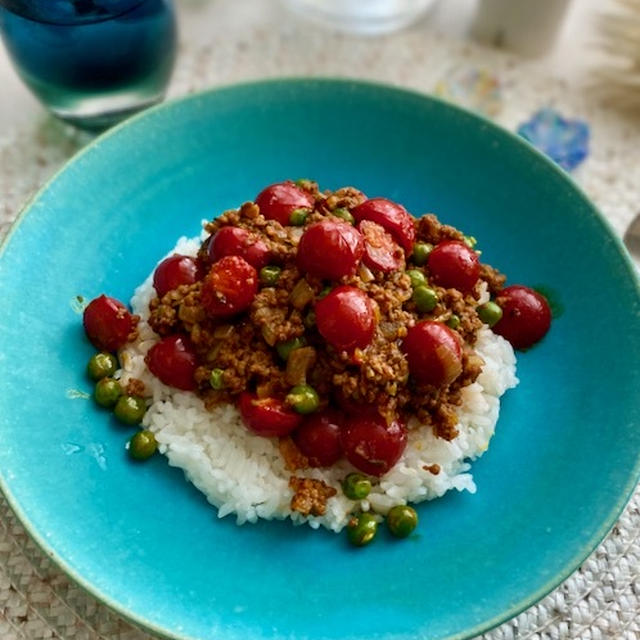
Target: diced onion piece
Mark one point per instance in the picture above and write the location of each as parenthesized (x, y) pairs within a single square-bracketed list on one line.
[(212, 354), (301, 295), (223, 332), (298, 364), (365, 273), (269, 335)]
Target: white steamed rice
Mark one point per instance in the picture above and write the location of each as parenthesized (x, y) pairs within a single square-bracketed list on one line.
[(244, 474)]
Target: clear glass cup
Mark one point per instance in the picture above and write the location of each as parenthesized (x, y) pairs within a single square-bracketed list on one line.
[(91, 62), (362, 16)]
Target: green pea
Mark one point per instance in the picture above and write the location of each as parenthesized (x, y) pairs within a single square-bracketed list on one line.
[(310, 320), (453, 322), (490, 313), (302, 182), (425, 298), (418, 279), (216, 379), (285, 348), (298, 217), (130, 409), (343, 214), (270, 275), (421, 251), (356, 486), (325, 292), (303, 399), (362, 529), (142, 445), (402, 520), (107, 392), (102, 365), (470, 241)]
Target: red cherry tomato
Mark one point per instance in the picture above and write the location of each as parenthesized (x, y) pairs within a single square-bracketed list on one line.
[(392, 216), (345, 318), (526, 316), (318, 437), (107, 323), (268, 417), (234, 241), (173, 361), (229, 287), (381, 253), (433, 352), (454, 265), (371, 445), (279, 201), (330, 249), (174, 271)]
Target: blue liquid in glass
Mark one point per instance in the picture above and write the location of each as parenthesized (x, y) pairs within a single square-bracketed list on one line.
[(91, 61)]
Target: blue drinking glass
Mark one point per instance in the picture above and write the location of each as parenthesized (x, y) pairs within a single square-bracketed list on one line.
[(91, 62)]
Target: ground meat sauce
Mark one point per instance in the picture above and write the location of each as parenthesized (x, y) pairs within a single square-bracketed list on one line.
[(392, 337), (432, 468), (293, 458), (310, 495), (135, 387), (330, 320), (378, 375)]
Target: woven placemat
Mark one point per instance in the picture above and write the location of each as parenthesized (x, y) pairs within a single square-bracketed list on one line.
[(602, 598)]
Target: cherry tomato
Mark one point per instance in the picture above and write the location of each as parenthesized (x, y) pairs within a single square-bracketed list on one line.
[(174, 271), (173, 361), (371, 445), (229, 287), (268, 417), (234, 241), (345, 318), (433, 352), (330, 249), (381, 253), (526, 316), (392, 216), (318, 437), (454, 265), (278, 201), (107, 323)]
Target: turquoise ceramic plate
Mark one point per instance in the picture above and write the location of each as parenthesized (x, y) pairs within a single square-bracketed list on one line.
[(560, 468)]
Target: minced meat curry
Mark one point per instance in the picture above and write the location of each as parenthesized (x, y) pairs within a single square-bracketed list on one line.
[(308, 308)]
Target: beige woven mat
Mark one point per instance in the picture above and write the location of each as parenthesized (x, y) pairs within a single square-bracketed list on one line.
[(602, 599)]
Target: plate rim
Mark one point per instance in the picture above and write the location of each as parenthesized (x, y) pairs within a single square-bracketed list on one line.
[(585, 550)]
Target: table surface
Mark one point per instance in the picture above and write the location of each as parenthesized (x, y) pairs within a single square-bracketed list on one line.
[(18, 106), (223, 41)]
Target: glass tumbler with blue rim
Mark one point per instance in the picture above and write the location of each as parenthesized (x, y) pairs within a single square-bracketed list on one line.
[(91, 62)]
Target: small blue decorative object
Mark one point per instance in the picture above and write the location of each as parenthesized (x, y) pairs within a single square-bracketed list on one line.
[(564, 141)]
